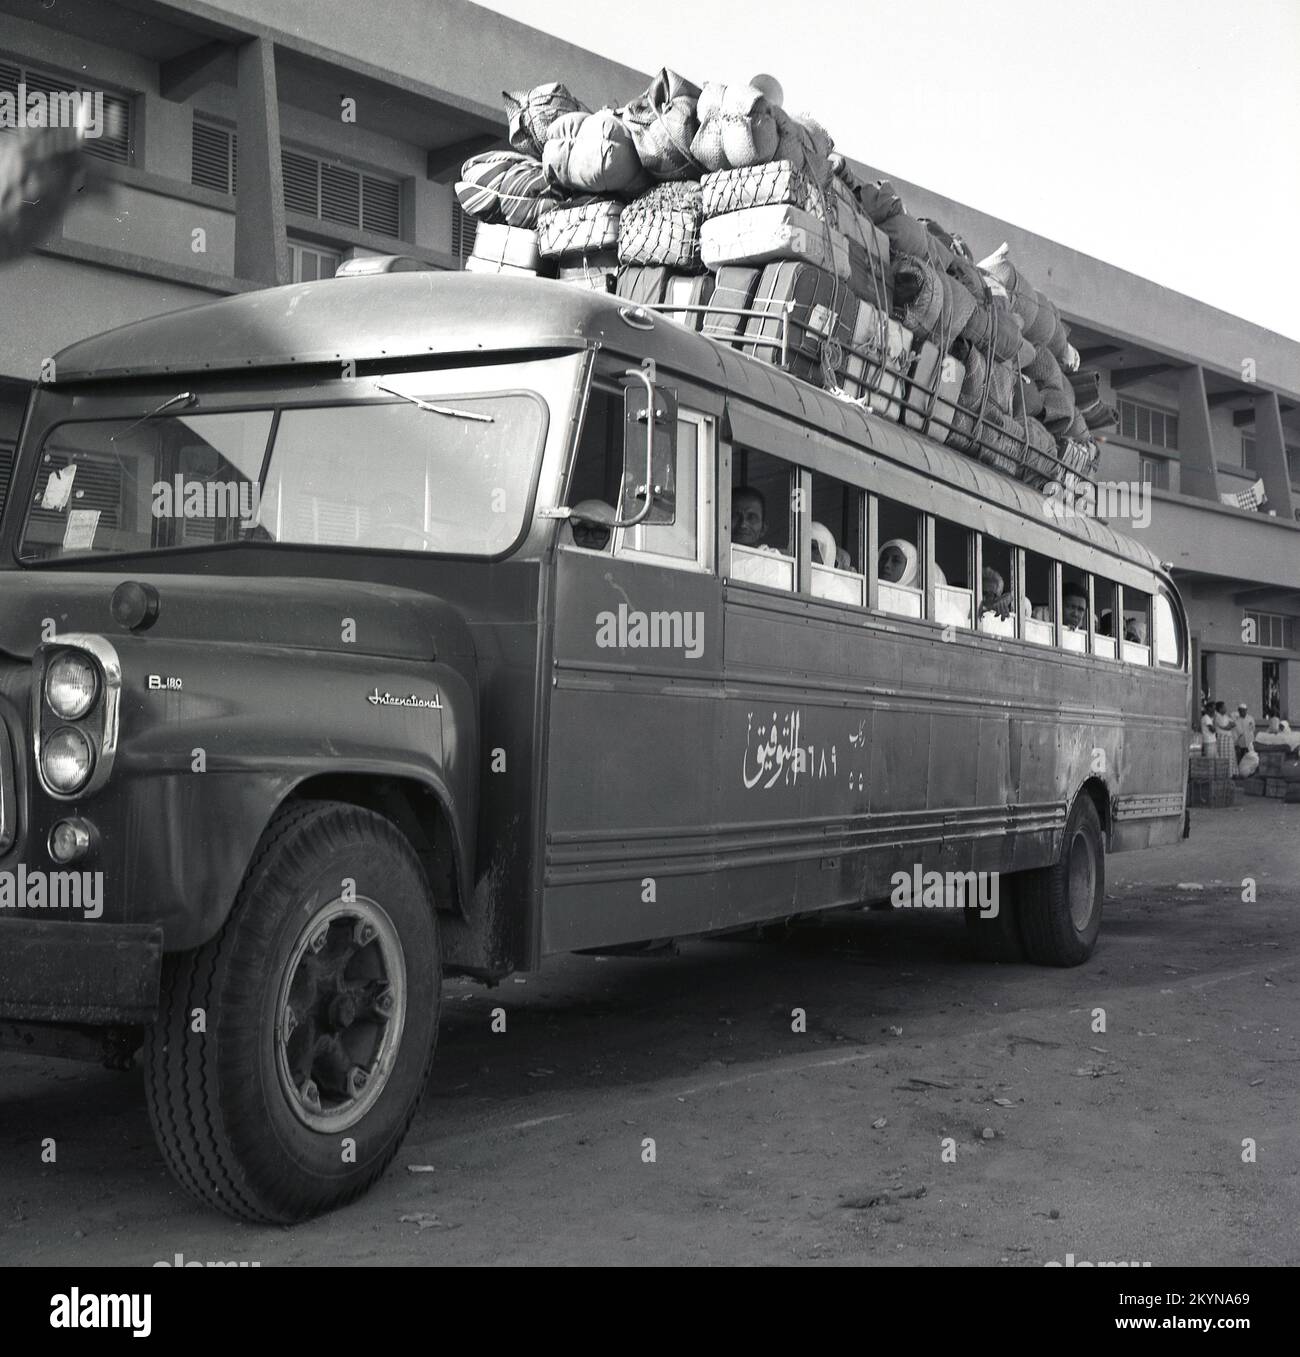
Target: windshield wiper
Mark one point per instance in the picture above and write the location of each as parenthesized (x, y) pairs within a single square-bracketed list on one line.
[(436, 409), (188, 397)]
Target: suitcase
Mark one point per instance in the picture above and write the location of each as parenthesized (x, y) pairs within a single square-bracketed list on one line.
[(684, 289), (885, 383), (758, 235), (812, 303), (597, 271), (580, 230), (869, 274), (932, 390), (644, 284), (733, 288), (515, 247)]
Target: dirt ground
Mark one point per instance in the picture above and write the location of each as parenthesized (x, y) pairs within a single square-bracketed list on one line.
[(775, 1146)]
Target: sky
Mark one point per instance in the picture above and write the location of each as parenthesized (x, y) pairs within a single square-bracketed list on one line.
[(1162, 136)]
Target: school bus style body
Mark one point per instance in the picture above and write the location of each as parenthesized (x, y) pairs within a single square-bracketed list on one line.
[(384, 717)]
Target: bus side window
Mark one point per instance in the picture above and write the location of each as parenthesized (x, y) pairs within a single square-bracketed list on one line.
[(762, 520), (1104, 639), (1136, 637), (997, 588), (954, 599), (1169, 650), (837, 541), (1074, 610), (901, 588), (680, 543), (1040, 592)]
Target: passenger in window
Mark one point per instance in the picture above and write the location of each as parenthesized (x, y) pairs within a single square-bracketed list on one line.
[(1106, 624), (589, 524), (1074, 607), (748, 516), (995, 598), (1135, 629), (824, 551), (1040, 613)]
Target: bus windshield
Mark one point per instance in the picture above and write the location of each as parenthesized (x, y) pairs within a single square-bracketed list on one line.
[(407, 469)]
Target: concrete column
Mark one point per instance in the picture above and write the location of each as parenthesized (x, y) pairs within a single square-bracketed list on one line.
[(1198, 474), (1270, 455), (261, 246)]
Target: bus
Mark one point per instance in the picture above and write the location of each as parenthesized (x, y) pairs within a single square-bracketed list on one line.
[(361, 632)]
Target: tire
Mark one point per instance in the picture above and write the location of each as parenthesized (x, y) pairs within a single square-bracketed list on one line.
[(1060, 906), (321, 1009), (997, 938)]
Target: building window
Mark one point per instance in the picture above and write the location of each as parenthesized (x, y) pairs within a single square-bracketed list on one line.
[(214, 160), (310, 262), (332, 192), (115, 139), (464, 228), (1154, 471), (1265, 629), (1147, 424), (1248, 452)]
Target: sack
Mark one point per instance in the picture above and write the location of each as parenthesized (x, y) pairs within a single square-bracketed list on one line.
[(737, 127), (777, 181), (580, 229), (994, 328), (592, 153), (511, 247), (1041, 328), (662, 227), (1249, 764), (760, 234), (806, 144), (662, 123), (918, 294), (733, 290), (531, 113), (505, 188)]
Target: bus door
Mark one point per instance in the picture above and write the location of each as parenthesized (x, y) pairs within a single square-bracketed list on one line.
[(633, 730)]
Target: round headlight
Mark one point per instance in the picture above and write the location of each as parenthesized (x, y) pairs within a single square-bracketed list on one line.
[(66, 760), (71, 685)]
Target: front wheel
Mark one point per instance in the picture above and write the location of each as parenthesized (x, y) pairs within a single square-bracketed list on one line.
[(1060, 905), (291, 1051)]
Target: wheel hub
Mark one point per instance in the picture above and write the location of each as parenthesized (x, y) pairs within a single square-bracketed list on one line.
[(340, 1013)]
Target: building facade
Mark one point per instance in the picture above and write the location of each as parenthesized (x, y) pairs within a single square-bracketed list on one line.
[(254, 142)]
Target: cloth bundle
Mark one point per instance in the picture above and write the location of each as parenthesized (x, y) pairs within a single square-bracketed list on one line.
[(994, 328), (662, 123), (662, 227), (531, 113), (737, 127), (593, 153), (580, 228), (505, 188), (776, 181)]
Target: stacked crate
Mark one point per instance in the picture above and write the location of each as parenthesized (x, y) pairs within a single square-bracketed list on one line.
[(1209, 781)]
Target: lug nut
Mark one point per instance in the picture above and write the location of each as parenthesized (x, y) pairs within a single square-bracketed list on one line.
[(357, 1080)]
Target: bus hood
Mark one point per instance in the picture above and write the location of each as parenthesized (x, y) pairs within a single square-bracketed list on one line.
[(342, 616)]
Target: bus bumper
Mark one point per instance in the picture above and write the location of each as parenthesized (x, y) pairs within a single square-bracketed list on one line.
[(79, 972)]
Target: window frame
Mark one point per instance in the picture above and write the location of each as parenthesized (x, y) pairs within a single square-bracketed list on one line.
[(705, 474)]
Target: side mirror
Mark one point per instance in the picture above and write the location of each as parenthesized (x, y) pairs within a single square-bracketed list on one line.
[(649, 492)]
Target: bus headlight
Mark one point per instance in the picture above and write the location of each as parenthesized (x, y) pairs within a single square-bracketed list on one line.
[(71, 685), (66, 760)]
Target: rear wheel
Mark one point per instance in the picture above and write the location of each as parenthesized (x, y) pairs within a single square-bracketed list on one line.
[(1060, 906), (291, 1051)]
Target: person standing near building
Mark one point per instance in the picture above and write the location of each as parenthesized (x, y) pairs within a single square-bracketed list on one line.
[(1223, 730), (1207, 731), (1244, 727)]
